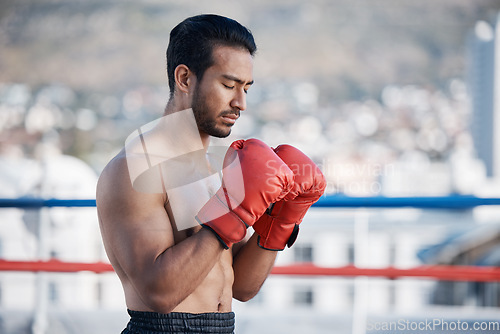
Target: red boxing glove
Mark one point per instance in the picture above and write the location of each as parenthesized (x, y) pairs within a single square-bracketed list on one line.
[(253, 178), (279, 226)]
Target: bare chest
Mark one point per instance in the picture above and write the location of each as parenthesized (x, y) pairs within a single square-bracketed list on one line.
[(184, 202)]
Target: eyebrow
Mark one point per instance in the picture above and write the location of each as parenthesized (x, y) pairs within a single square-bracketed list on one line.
[(235, 79)]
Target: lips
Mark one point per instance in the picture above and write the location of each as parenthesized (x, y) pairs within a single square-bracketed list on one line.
[(230, 118)]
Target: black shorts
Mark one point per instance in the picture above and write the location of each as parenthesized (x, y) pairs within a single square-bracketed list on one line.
[(177, 322)]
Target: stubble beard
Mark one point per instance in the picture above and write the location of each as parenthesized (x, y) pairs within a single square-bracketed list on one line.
[(205, 123)]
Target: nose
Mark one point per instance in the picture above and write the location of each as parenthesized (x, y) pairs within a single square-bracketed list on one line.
[(239, 101)]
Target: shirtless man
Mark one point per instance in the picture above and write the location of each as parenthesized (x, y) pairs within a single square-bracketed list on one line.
[(182, 251)]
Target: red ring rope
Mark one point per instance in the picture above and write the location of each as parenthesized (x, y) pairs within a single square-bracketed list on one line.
[(438, 272)]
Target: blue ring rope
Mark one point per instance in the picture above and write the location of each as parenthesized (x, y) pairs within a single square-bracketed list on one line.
[(34, 203), (456, 202)]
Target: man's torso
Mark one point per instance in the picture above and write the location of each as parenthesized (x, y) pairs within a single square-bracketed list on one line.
[(181, 204)]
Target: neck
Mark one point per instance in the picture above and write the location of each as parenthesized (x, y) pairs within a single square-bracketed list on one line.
[(173, 106)]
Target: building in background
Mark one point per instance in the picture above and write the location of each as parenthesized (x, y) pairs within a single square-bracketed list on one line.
[(477, 245), (484, 88)]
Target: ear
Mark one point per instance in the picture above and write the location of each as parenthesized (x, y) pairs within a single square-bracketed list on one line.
[(183, 78)]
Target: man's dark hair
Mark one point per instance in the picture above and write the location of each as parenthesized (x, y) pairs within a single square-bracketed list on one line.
[(193, 40)]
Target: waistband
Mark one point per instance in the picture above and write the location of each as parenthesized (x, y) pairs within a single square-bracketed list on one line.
[(178, 322)]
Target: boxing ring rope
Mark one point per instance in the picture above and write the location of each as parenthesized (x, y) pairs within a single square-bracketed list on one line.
[(441, 272), (331, 201), (436, 272)]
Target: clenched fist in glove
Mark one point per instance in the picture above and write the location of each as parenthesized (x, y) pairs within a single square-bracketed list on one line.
[(279, 226), (253, 177)]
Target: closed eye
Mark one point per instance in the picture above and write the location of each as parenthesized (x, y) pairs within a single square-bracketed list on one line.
[(231, 87)]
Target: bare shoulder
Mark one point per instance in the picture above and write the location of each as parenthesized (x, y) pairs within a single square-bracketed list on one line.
[(116, 196), (114, 185), (114, 171), (134, 225)]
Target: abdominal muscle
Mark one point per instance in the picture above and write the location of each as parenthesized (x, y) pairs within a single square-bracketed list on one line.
[(215, 293)]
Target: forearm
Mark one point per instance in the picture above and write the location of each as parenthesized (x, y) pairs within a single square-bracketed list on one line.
[(251, 266), (179, 270)]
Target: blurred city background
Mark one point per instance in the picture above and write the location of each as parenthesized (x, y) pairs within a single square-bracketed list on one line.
[(392, 98)]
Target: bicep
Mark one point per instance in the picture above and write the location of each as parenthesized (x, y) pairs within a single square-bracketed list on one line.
[(140, 238), (135, 225)]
